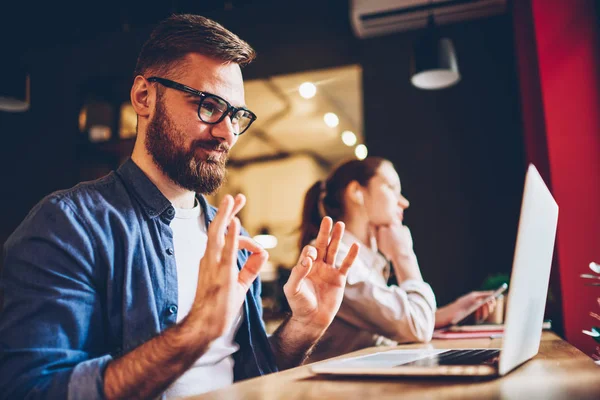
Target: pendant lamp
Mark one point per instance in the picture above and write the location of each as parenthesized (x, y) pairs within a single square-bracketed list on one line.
[(433, 64)]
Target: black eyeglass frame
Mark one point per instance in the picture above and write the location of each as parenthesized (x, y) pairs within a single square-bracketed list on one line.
[(231, 110)]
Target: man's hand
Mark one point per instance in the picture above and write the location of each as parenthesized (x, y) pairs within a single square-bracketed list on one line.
[(314, 291), (396, 244), (446, 314), (221, 287), (315, 288), (149, 369)]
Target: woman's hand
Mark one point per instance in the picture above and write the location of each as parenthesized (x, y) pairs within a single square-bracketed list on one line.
[(395, 242), (446, 314)]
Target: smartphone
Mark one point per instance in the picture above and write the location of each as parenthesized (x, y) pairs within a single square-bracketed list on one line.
[(460, 317)]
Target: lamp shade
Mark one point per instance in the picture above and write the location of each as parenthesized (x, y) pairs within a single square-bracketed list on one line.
[(434, 64), (14, 90), (266, 239)]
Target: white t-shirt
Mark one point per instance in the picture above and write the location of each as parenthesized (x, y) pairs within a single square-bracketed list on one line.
[(214, 369)]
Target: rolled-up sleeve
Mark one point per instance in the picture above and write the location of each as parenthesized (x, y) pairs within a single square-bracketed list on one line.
[(404, 313), (52, 338), (87, 380)]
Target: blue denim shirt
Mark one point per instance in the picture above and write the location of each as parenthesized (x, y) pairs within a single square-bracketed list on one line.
[(88, 276)]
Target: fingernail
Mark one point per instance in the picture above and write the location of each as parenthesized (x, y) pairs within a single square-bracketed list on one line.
[(304, 262)]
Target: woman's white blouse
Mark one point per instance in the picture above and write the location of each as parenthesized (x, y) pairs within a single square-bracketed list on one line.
[(404, 313)]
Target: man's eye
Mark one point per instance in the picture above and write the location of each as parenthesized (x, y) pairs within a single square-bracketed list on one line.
[(208, 109), (208, 106)]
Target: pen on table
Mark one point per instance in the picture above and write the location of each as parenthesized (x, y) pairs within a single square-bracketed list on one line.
[(496, 336)]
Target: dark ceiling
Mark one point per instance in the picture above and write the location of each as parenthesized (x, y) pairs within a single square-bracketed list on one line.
[(25, 27)]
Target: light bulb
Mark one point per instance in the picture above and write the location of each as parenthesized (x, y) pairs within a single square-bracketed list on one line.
[(349, 138), (307, 90), (331, 120), (361, 151)]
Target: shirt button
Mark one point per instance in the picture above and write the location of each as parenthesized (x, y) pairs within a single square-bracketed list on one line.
[(170, 251), (172, 309)]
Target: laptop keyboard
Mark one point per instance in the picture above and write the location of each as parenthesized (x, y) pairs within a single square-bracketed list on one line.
[(459, 357)]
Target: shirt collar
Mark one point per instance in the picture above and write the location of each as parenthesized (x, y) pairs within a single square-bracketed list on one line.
[(153, 202), (209, 211), (365, 253)]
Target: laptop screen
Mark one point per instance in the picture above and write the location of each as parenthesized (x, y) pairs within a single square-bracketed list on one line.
[(530, 273)]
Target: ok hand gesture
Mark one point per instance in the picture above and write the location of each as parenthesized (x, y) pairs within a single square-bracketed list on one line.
[(221, 286), (315, 288)]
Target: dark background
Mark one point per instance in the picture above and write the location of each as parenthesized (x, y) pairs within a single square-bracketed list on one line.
[(459, 151)]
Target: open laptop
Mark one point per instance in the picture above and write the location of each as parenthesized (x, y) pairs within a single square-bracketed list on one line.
[(524, 315)]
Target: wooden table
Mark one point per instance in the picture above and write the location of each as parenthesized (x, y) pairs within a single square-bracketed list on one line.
[(559, 371)]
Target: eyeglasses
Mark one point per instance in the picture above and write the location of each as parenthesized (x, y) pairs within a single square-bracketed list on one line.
[(212, 109)]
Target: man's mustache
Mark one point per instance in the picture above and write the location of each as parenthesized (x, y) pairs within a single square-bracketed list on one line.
[(213, 145)]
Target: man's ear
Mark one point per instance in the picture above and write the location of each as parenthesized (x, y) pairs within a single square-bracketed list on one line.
[(142, 96)]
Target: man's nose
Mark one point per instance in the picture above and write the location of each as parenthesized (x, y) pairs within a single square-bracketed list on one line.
[(224, 130)]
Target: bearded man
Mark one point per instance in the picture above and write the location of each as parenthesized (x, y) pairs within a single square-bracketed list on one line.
[(132, 286)]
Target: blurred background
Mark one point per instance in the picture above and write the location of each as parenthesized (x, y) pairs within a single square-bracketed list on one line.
[(332, 81)]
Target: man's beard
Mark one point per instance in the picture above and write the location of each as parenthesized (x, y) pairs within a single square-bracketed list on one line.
[(166, 146)]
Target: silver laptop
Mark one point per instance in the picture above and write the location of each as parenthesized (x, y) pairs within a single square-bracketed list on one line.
[(524, 315)]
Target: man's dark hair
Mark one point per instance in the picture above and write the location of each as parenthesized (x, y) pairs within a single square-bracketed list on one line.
[(178, 35)]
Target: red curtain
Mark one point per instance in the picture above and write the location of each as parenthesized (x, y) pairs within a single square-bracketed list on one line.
[(558, 60)]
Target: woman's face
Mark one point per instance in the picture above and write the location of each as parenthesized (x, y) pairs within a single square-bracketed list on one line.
[(384, 203)]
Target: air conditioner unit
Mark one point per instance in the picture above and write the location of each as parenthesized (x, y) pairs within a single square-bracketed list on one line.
[(371, 18)]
